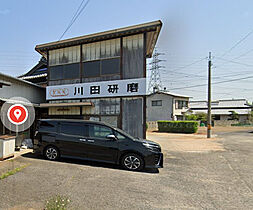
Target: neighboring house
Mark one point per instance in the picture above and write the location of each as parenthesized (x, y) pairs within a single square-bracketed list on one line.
[(164, 105), (222, 109), (38, 74), (14, 87)]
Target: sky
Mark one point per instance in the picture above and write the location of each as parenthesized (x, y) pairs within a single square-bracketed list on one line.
[(191, 29)]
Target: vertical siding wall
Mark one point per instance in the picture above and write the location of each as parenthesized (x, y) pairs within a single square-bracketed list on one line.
[(133, 58)]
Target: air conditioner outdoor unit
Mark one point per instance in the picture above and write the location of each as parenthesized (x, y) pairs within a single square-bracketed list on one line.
[(7, 146)]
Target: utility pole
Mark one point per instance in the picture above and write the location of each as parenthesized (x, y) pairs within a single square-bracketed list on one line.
[(209, 115)]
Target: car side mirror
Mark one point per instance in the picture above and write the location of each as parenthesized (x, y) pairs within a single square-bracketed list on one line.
[(111, 136)]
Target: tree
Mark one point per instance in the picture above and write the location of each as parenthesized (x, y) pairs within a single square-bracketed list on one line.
[(191, 117), (251, 116), (234, 116), (201, 116)]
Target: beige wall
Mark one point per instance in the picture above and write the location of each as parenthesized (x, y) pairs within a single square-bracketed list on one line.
[(179, 111)]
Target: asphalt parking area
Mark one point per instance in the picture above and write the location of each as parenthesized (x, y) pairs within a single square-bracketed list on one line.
[(191, 179)]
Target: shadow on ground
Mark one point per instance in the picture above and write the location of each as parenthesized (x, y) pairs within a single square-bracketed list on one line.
[(87, 163)]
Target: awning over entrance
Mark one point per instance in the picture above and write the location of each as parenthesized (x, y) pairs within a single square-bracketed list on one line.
[(46, 105)]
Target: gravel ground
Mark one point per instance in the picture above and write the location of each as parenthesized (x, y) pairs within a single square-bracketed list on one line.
[(216, 175)]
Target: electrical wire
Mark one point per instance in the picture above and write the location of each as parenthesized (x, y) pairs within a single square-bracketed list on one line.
[(244, 64), (221, 82), (237, 43), (76, 15)]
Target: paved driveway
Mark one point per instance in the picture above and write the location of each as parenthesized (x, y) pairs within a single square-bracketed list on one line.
[(215, 176)]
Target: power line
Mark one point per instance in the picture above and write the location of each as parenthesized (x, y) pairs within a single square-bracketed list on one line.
[(244, 64), (214, 78), (225, 81), (183, 67), (76, 15), (173, 71), (235, 58), (237, 43)]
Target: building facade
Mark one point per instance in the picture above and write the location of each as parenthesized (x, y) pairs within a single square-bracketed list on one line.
[(222, 109), (164, 105), (101, 76), (14, 87)]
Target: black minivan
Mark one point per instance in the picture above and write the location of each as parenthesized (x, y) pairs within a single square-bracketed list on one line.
[(55, 138)]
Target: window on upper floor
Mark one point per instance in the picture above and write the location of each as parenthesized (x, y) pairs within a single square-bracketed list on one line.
[(101, 58), (180, 104), (64, 63), (156, 103)]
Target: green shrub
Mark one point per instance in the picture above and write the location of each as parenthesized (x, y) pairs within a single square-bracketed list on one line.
[(146, 126), (178, 126), (191, 117)]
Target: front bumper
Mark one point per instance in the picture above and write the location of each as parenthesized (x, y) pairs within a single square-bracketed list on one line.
[(155, 160)]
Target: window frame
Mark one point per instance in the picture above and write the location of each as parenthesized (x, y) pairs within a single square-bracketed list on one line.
[(62, 72), (155, 103), (96, 137), (83, 134), (100, 67), (183, 104)]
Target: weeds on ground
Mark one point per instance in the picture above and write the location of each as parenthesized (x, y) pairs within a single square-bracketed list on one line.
[(57, 203), (12, 172)]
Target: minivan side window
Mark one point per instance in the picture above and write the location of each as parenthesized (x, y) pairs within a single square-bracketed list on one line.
[(99, 131), (73, 129), (120, 136), (45, 126)]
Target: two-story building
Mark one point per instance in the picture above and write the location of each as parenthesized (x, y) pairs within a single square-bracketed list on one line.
[(164, 105), (100, 76)]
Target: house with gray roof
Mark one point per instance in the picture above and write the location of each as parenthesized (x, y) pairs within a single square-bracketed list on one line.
[(222, 109), (164, 105)]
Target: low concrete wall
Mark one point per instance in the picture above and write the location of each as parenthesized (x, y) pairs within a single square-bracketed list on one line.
[(224, 122), (152, 125)]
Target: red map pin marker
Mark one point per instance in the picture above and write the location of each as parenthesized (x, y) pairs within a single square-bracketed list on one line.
[(17, 114)]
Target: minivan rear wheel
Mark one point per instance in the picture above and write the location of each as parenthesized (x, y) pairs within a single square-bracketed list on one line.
[(51, 153), (132, 162)]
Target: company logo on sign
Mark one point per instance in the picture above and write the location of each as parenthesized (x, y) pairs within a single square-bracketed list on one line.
[(59, 92), (17, 114)]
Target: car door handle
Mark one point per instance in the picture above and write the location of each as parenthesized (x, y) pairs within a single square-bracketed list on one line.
[(82, 139), (89, 140)]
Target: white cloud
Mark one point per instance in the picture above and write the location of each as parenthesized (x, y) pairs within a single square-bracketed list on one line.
[(4, 12)]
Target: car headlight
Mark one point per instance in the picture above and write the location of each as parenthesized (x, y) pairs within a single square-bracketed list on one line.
[(146, 144), (152, 146)]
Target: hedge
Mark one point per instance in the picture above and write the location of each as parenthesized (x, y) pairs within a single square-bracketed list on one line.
[(178, 126)]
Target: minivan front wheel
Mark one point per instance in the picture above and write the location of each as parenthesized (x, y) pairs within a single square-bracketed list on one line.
[(51, 153), (132, 162)]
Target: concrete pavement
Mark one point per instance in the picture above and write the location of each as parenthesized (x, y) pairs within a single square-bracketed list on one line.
[(216, 177)]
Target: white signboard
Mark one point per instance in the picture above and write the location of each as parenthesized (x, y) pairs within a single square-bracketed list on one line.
[(128, 87)]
